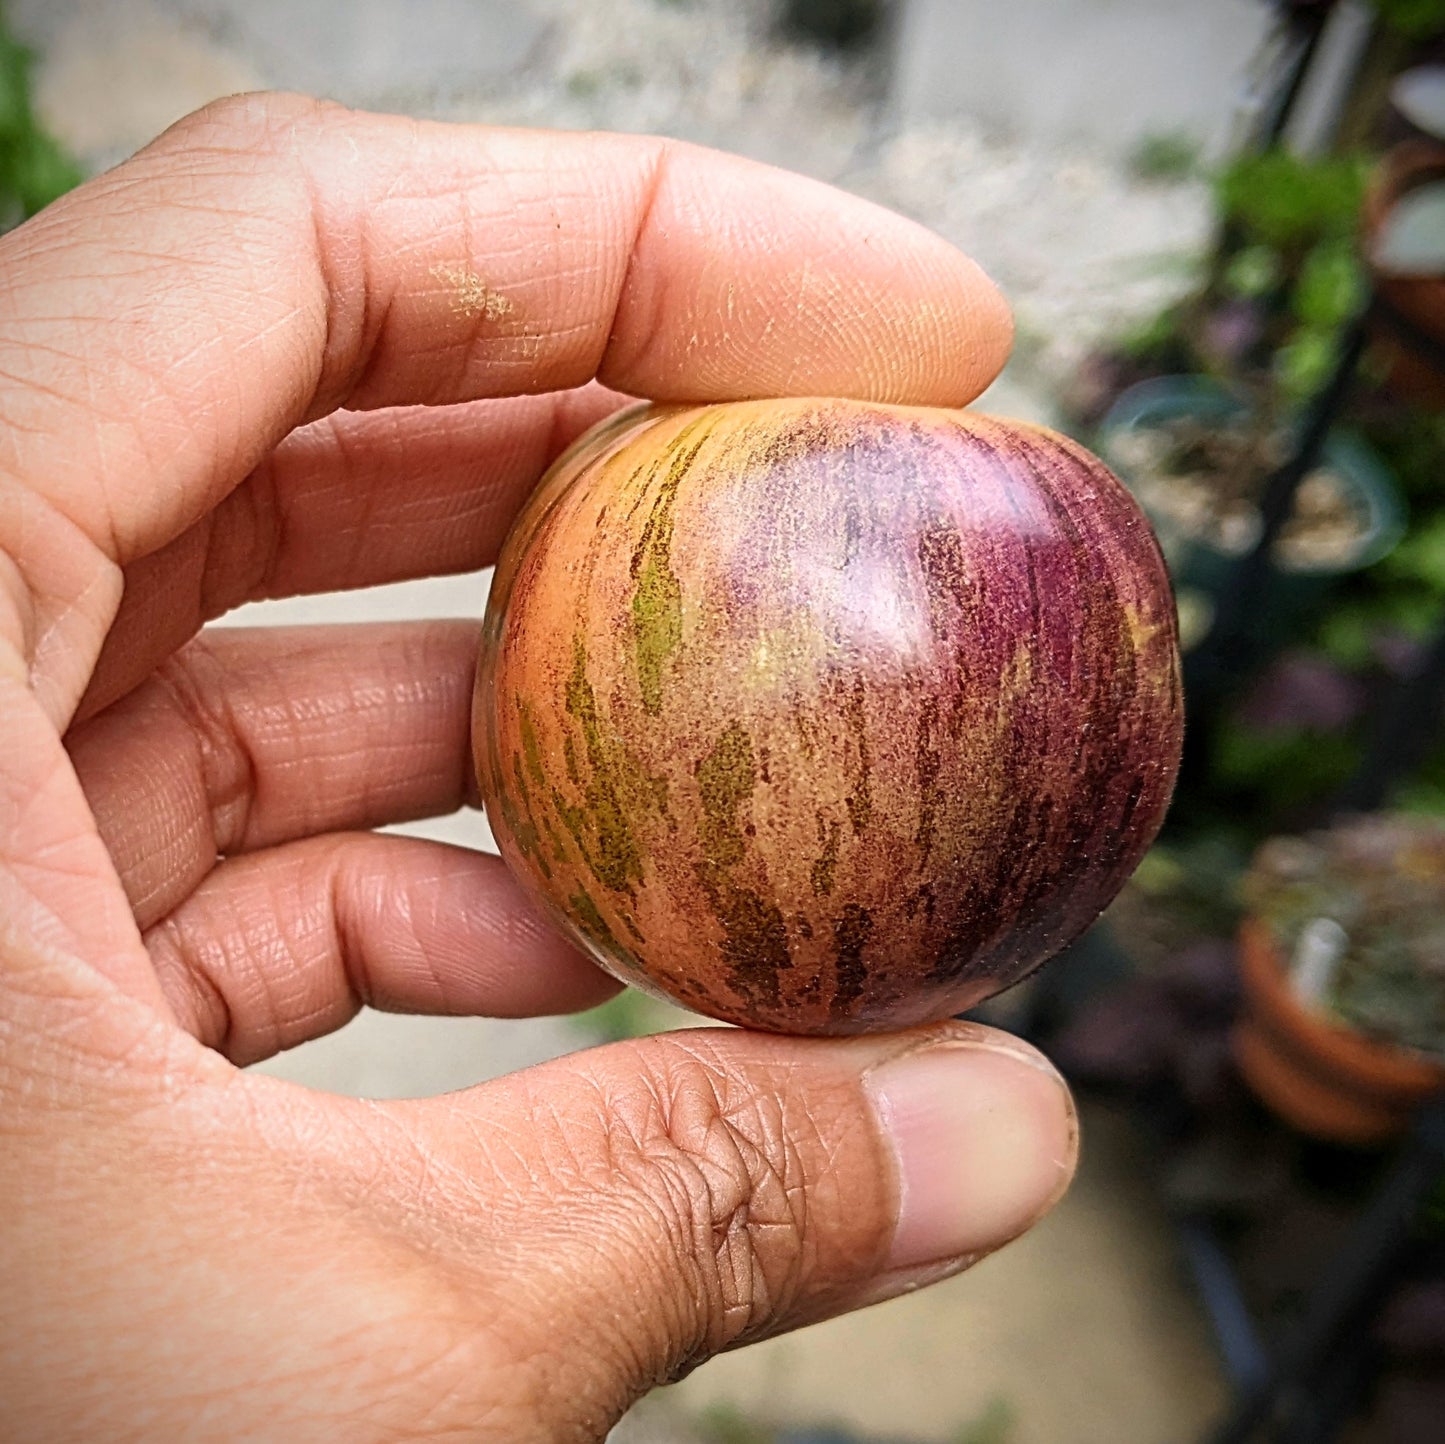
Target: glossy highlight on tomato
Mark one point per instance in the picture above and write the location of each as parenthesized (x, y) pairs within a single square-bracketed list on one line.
[(824, 716)]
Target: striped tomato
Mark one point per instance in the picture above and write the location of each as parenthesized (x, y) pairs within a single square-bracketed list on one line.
[(826, 716)]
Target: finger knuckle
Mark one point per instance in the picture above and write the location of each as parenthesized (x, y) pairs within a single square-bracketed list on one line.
[(192, 686), (251, 119), (721, 1172)]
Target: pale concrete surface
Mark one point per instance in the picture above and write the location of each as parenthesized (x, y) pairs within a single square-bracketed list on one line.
[(115, 75), (1062, 72), (364, 50), (1084, 1329)]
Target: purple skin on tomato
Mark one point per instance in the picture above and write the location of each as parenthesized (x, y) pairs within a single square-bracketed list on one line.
[(823, 716)]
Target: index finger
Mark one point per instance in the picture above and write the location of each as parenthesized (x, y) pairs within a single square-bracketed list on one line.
[(271, 259)]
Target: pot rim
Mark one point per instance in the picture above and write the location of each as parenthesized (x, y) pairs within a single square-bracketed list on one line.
[(1402, 168)]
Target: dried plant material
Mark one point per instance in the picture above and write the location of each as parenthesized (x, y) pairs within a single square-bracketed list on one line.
[(1380, 880), (470, 295), (1201, 482)]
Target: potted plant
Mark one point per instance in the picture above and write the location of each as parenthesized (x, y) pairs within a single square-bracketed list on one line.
[(1342, 960), (1200, 450), (1198, 457)]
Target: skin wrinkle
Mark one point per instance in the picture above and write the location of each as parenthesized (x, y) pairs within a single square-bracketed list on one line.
[(422, 724), (24, 871), (56, 651), (227, 765), (346, 719), (645, 331), (351, 355), (462, 338), (256, 1023), (352, 954), (198, 1000), (47, 975), (723, 1165), (273, 477), (307, 1387), (355, 936), (255, 1011), (253, 513)]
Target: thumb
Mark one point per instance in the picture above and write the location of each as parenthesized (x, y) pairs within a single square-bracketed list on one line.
[(652, 1203)]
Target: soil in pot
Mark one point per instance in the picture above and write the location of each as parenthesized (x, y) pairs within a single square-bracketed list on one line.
[(1327, 1080), (1343, 964), (1200, 482)]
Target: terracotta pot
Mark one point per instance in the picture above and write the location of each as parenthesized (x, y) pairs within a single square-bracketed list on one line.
[(1323, 1078), (1418, 301)]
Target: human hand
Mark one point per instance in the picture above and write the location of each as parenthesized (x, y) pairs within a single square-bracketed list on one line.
[(289, 349)]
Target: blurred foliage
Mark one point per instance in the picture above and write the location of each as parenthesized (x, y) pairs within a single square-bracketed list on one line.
[(995, 1425), (1190, 885), (631, 1014), (1165, 158), (844, 23), (1414, 19), (634, 1014), (1153, 339), (727, 1424), (1329, 289), (1282, 771), (1253, 273), (1288, 201), (34, 170), (1296, 736), (1295, 219), (1286, 282)]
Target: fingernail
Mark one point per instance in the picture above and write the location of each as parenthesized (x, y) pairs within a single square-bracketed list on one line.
[(984, 1135)]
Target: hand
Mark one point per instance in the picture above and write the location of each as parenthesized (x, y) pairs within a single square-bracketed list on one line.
[(288, 349)]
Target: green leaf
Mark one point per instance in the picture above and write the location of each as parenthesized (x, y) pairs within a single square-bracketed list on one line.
[(1414, 19), (1347, 636), (1302, 366), (1149, 338), (1331, 285), (1288, 769), (1422, 797), (14, 86), (34, 169), (725, 1423), (1285, 200), (1165, 158), (1254, 272), (1420, 557)]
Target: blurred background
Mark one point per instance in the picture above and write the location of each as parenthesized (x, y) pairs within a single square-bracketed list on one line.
[(1222, 227)]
